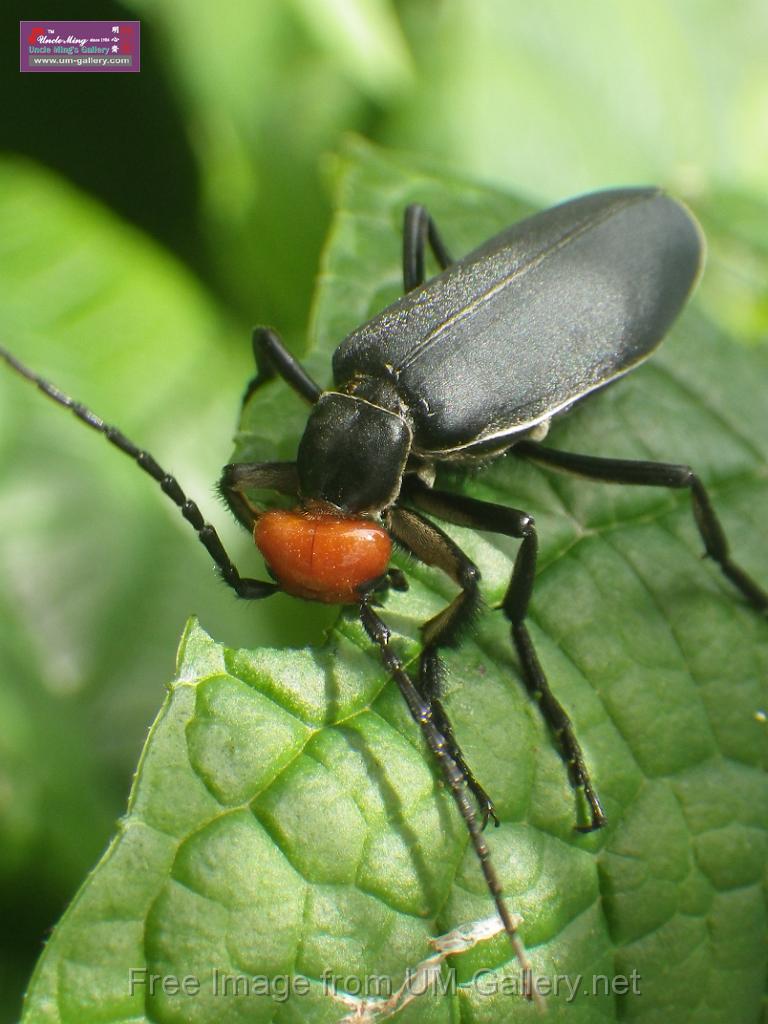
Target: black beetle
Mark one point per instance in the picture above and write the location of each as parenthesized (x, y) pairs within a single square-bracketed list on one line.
[(465, 366)]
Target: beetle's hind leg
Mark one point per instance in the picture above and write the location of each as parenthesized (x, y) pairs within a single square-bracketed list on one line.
[(274, 359), (419, 230), (657, 474), (430, 545), (483, 515)]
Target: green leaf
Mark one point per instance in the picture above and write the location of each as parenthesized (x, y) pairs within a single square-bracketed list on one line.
[(564, 98), (297, 74), (77, 288), (285, 818)]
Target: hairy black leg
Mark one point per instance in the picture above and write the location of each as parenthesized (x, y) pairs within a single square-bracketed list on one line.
[(422, 713), (238, 477), (376, 589), (657, 474), (273, 358), (418, 230), (483, 515), (430, 545), (393, 579), (243, 587), (397, 579)]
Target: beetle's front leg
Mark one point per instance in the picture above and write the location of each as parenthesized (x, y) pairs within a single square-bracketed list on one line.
[(272, 357), (238, 477), (483, 515), (423, 713), (418, 230), (430, 545)]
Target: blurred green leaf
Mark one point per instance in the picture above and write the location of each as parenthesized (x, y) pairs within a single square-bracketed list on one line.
[(86, 543), (285, 817), (364, 37), (734, 288), (553, 99), (260, 109)]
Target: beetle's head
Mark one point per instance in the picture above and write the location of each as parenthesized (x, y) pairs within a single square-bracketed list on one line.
[(352, 454)]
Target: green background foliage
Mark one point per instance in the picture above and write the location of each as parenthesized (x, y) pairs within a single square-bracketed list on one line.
[(209, 196)]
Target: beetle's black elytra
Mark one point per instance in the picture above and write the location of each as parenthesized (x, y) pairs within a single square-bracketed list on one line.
[(472, 363)]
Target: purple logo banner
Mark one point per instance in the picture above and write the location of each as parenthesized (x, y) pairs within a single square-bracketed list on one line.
[(46, 45)]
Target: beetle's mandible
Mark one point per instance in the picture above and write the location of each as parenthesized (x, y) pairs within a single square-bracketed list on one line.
[(465, 366)]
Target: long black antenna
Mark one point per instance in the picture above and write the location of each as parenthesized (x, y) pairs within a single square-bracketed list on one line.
[(209, 538), (422, 714)]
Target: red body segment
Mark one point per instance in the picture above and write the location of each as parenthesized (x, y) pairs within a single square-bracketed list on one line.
[(322, 556)]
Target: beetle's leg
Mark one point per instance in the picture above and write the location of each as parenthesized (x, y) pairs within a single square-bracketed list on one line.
[(243, 587), (657, 474), (418, 230), (430, 545), (397, 579), (238, 477), (423, 714), (374, 590), (273, 358), (393, 579), (483, 515)]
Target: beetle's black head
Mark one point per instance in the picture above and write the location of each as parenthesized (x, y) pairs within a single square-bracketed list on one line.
[(352, 454)]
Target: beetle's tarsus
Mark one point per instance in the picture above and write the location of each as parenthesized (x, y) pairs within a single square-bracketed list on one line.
[(487, 809)]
